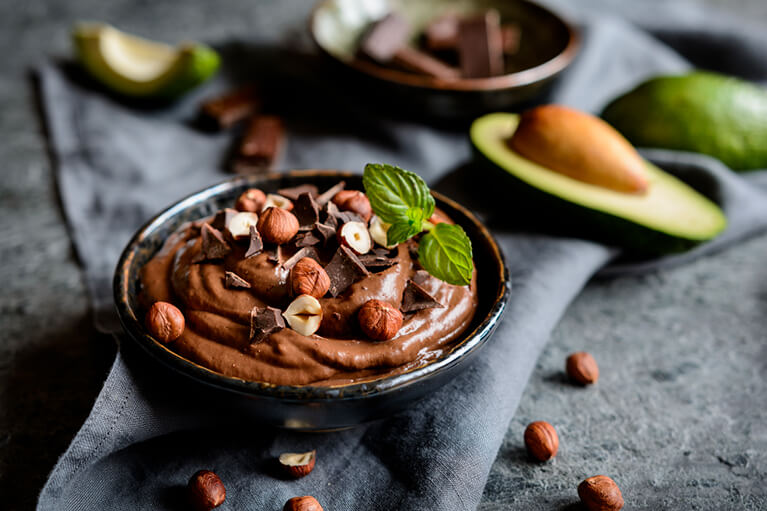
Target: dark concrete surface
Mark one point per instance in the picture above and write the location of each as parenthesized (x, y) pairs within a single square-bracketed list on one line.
[(678, 417)]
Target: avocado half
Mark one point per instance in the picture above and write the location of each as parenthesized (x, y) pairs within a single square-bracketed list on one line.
[(669, 217), (137, 67)]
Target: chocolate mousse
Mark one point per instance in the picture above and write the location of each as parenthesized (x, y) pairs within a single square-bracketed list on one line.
[(297, 313)]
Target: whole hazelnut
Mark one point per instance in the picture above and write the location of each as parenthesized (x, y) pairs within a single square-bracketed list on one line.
[(251, 200), (205, 490), (582, 368), (354, 201), (600, 493), (305, 503), (541, 440), (379, 320), (309, 278), (277, 225), (165, 322)]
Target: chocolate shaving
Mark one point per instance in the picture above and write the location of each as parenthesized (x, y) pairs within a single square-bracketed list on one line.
[(260, 146), (214, 245), (294, 192), (344, 269), (325, 231), (340, 217), (263, 322), (306, 239), (375, 262), (256, 243), (224, 111), (385, 252), (232, 281), (221, 220), (416, 298), (331, 192), (385, 37), (306, 210), (274, 254), (304, 252), (420, 277)]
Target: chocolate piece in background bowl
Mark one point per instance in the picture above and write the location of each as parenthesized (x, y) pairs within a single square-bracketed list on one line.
[(480, 45), (415, 60), (547, 47), (385, 37)]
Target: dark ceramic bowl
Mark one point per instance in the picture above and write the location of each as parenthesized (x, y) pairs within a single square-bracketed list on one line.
[(548, 45), (310, 407)]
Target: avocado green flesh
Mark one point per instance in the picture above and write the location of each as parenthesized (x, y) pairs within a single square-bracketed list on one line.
[(137, 67), (669, 207), (701, 112)]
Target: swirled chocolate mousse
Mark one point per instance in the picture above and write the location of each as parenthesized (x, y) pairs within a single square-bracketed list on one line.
[(300, 287)]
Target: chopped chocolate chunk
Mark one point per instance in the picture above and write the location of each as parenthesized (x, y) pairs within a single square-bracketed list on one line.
[(213, 244), (274, 254), (260, 146), (264, 321), (224, 111), (300, 254), (232, 281), (294, 192), (480, 47), (306, 239), (385, 37), (442, 33), (326, 232), (420, 277), (344, 269), (416, 298), (417, 61), (510, 36), (256, 243), (375, 262), (338, 217), (385, 252), (331, 192), (306, 210), (221, 220)]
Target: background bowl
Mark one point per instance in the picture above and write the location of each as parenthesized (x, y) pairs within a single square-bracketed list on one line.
[(310, 407), (548, 45)]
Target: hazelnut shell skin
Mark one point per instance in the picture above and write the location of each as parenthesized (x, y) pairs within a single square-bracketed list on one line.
[(165, 322), (305, 503), (251, 200), (277, 225), (354, 201), (299, 471), (206, 491), (541, 440), (379, 320), (600, 493), (307, 277), (581, 368)]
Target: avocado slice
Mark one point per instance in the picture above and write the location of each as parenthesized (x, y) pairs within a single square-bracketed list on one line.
[(701, 112), (668, 217), (137, 67)]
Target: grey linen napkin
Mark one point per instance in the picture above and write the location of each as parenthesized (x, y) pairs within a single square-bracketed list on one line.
[(148, 431)]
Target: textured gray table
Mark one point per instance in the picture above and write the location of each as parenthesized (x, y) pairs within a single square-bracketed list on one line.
[(678, 417)]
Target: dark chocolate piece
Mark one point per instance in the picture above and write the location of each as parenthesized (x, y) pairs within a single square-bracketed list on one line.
[(274, 254), (306, 210), (340, 217), (221, 220), (480, 48), (214, 246), (375, 262), (306, 239), (510, 36), (331, 192), (260, 146), (224, 111), (326, 232), (442, 33), (300, 254), (256, 243), (294, 192), (385, 37), (264, 321), (417, 61), (344, 269), (420, 277), (232, 281), (385, 252), (416, 298)]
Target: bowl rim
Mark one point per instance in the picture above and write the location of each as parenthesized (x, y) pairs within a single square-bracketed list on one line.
[(539, 73), (297, 393)]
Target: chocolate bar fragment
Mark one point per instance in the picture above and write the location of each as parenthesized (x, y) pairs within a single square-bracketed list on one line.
[(294, 192), (385, 37), (214, 246), (256, 244), (416, 298), (300, 254), (233, 281), (376, 263), (442, 33), (510, 36), (264, 321), (331, 192), (260, 146), (306, 210), (419, 62), (225, 111), (344, 269), (306, 239), (221, 220), (480, 47)]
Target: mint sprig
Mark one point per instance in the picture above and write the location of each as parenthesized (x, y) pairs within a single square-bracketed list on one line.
[(402, 199)]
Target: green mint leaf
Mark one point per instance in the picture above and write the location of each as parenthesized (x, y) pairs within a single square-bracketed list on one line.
[(445, 252), (393, 192), (407, 228)]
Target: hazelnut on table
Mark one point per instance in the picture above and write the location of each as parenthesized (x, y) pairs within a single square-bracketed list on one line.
[(600, 493), (581, 368), (541, 440), (205, 490), (305, 503)]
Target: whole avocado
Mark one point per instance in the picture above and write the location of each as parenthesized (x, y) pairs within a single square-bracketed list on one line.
[(702, 112)]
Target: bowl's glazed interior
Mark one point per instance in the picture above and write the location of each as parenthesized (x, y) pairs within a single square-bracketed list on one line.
[(310, 407)]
